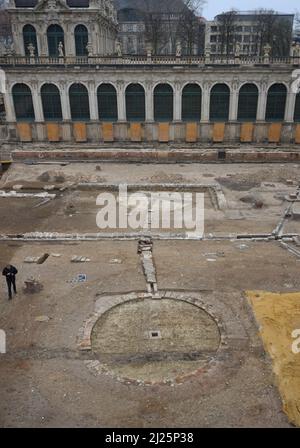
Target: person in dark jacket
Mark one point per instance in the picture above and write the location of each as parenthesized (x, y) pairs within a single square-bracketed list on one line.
[(10, 273)]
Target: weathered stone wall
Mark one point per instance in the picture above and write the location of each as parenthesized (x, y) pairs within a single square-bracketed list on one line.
[(143, 133), (151, 132)]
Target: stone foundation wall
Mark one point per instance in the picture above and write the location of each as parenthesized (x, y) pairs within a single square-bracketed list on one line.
[(140, 155)]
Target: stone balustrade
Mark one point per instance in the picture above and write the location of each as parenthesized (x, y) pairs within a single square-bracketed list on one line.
[(146, 60)]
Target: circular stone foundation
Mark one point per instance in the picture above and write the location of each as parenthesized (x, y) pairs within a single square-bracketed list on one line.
[(155, 340)]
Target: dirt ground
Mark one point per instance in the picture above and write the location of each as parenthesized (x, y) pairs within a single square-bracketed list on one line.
[(44, 380)]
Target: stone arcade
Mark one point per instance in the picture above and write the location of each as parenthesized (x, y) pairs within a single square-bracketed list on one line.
[(68, 82)]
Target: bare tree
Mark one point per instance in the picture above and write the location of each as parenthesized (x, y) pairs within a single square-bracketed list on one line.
[(154, 31), (227, 25), (282, 38), (274, 30), (171, 21), (156, 25), (190, 27)]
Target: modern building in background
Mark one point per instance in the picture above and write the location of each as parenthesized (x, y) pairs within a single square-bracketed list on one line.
[(250, 31)]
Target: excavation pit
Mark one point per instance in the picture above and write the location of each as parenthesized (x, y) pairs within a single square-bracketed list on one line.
[(185, 339)]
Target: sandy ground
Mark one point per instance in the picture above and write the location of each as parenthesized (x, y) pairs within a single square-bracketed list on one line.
[(44, 381), (279, 318)]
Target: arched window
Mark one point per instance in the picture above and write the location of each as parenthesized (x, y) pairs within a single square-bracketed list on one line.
[(129, 15), (79, 102), (55, 35), (163, 103), (219, 102), (81, 40), (51, 102), (297, 108), (23, 102), (78, 3), (135, 103), (107, 103), (276, 103), (248, 98), (25, 3), (191, 103), (29, 38)]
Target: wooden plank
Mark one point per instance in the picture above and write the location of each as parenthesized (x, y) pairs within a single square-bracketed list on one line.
[(53, 132), (191, 131), (297, 134), (274, 132), (79, 130), (135, 132), (108, 132), (163, 132), (25, 132), (218, 132), (246, 135)]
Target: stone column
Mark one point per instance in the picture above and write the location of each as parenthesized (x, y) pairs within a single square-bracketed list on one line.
[(104, 41), (38, 43), (149, 102), (93, 101), (69, 38), (177, 101), (205, 102), (262, 103), (121, 101), (65, 103), (94, 38), (70, 45), (9, 106), (42, 38), (66, 125), (100, 41), (17, 35), (233, 104), (290, 107), (39, 124), (37, 102)]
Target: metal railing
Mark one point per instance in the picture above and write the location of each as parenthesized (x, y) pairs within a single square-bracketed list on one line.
[(144, 60)]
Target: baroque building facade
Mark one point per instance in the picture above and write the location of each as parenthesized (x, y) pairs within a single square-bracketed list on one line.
[(100, 97), (63, 28)]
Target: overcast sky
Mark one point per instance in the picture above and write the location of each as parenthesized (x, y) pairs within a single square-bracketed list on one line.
[(213, 7)]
